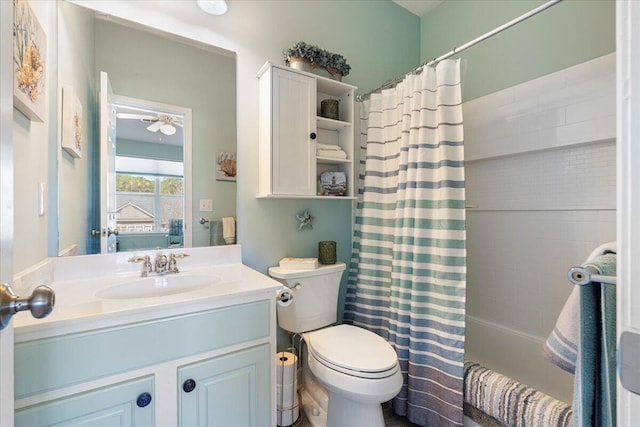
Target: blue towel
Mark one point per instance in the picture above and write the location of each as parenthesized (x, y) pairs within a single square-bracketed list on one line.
[(561, 347), (594, 385)]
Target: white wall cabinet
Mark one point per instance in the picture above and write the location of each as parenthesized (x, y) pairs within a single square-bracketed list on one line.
[(291, 127)]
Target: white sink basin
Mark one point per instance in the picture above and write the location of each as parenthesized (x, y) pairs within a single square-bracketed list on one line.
[(157, 286)]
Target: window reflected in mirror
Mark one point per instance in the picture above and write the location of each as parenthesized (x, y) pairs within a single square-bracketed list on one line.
[(149, 176)]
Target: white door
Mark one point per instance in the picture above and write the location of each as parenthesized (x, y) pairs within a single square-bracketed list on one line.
[(107, 167), (6, 203), (628, 164)]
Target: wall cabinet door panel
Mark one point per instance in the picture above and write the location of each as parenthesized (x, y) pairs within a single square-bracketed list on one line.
[(293, 147)]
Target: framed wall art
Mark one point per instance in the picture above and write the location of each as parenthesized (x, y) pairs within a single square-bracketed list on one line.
[(29, 55), (71, 122), (226, 166)]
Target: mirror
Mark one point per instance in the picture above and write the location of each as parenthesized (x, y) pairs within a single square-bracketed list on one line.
[(147, 66)]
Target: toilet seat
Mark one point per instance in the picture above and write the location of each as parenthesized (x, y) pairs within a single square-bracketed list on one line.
[(353, 351)]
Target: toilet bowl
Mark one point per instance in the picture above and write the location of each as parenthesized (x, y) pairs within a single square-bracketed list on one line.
[(357, 369)]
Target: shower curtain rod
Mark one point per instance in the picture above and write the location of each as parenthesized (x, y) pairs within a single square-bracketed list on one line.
[(467, 45)]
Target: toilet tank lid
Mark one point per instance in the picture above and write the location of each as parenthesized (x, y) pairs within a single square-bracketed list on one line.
[(283, 273)]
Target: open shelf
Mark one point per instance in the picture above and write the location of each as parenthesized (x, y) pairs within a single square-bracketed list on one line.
[(332, 161), (330, 124)]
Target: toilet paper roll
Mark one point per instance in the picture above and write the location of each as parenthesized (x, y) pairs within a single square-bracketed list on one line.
[(286, 396), (287, 417), (286, 368), (284, 297)]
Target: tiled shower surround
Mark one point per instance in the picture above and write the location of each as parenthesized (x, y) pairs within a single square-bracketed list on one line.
[(541, 191)]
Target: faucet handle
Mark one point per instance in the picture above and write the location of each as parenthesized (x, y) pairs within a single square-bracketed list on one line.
[(178, 256), (146, 266), (173, 264)]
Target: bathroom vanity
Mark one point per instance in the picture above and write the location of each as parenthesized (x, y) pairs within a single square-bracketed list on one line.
[(187, 349)]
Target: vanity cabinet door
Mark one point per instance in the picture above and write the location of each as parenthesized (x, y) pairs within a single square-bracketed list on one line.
[(227, 391), (125, 404)]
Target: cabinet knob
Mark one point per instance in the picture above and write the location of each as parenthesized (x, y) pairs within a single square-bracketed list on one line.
[(189, 385), (143, 400), (313, 135)]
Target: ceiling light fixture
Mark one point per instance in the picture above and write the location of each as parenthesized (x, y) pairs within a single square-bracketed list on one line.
[(167, 129), (213, 7)]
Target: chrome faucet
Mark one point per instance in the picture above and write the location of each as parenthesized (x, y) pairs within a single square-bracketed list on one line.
[(163, 264)]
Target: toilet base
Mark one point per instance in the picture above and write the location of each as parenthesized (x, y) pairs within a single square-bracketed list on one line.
[(349, 413), (324, 408), (315, 413)]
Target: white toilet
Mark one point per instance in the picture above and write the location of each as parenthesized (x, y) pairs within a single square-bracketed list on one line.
[(351, 371)]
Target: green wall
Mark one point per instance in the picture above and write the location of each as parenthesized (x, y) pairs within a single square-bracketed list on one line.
[(379, 40), (567, 34), (76, 69)]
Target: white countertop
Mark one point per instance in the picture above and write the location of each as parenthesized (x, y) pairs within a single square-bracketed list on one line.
[(77, 280)]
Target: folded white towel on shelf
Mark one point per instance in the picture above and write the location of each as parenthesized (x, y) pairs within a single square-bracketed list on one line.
[(334, 154), (321, 146), (229, 230)]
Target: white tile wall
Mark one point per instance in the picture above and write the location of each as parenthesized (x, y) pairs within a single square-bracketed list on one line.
[(541, 171), (571, 106), (573, 177)]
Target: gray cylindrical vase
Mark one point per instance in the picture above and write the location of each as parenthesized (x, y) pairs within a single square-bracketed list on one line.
[(327, 252), (329, 109)]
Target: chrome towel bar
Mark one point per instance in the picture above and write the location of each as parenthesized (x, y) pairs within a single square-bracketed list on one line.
[(583, 275)]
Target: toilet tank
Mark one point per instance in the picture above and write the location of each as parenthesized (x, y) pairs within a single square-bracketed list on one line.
[(315, 297)]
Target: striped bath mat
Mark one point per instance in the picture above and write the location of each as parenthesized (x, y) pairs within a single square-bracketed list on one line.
[(492, 399)]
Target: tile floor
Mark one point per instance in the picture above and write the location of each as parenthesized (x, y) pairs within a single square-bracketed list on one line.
[(390, 419)]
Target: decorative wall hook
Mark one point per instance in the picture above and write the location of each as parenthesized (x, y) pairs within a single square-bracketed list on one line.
[(305, 219)]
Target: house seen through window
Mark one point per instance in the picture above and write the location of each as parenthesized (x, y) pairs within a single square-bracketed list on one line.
[(149, 203)]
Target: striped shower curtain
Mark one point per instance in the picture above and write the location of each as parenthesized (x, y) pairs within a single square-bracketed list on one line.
[(408, 269)]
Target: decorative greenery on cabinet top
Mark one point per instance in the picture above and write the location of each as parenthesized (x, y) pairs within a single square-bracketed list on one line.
[(317, 55)]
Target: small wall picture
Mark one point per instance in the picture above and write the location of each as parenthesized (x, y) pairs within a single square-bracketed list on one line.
[(29, 55), (71, 122), (333, 184), (226, 166)]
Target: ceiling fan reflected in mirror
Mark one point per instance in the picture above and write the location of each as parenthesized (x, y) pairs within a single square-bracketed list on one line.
[(164, 123)]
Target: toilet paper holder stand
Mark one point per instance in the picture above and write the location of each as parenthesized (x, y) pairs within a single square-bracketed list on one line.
[(287, 399)]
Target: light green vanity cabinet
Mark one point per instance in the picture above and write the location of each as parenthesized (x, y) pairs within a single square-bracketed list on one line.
[(122, 405), (231, 390), (95, 377)]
